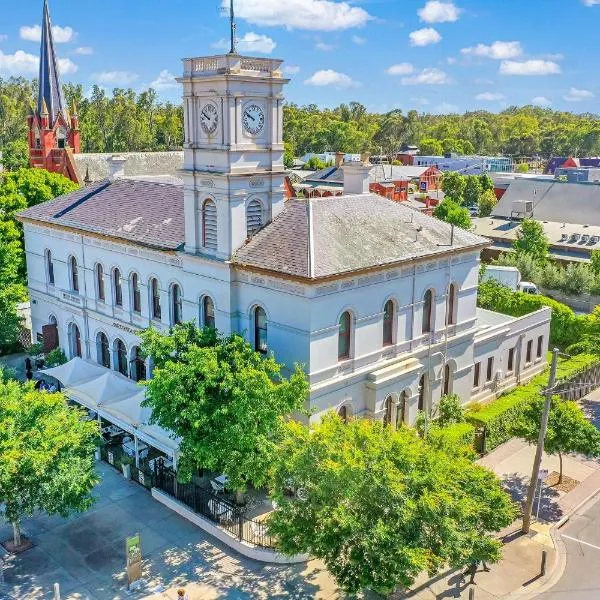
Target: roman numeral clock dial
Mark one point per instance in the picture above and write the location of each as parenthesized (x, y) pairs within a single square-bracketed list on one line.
[(209, 118), (253, 119)]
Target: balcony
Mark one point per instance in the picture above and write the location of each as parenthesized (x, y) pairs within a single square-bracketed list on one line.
[(231, 64)]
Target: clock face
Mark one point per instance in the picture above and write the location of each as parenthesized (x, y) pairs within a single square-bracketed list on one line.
[(209, 118), (253, 119)]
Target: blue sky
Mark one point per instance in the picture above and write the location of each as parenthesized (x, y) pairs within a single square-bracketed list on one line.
[(433, 56)]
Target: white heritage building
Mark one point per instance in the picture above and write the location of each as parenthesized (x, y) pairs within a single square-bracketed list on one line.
[(377, 300)]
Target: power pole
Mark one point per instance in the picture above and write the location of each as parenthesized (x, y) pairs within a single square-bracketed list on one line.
[(540, 445)]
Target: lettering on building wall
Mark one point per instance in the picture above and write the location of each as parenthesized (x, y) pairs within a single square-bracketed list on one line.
[(71, 298), (207, 183), (256, 182), (126, 328)]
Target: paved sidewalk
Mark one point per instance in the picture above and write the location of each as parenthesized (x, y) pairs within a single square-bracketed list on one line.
[(518, 573)]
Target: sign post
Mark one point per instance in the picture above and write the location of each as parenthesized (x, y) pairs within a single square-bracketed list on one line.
[(133, 552), (542, 474)]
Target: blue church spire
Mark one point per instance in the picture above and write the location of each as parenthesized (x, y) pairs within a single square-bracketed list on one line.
[(51, 98)]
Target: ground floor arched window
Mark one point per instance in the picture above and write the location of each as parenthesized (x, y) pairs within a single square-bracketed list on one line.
[(121, 357), (74, 341), (138, 365)]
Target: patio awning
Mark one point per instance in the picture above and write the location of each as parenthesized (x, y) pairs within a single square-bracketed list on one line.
[(75, 371)]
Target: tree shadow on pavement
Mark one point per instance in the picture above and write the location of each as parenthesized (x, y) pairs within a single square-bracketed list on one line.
[(591, 408), (517, 485)]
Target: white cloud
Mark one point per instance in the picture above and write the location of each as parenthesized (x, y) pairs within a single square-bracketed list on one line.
[(451, 60), (61, 35), (3, 37), (359, 41), (401, 69), (24, 63), (115, 77), (439, 12), (327, 77), (576, 95), (428, 76), (591, 2), (291, 69), (489, 96), (164, 81), (529, 67), (66, 66), (83, 50), (541, 101), (324, 47), (314, 15), (424, 37), (497, 50), (251, 42)]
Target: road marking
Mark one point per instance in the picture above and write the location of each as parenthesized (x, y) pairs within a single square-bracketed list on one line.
[(581, 542)]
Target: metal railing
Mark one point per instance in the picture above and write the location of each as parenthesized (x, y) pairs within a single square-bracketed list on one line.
[(227, 515)]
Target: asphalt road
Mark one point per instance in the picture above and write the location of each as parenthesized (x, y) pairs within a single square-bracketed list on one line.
[(581, 536)]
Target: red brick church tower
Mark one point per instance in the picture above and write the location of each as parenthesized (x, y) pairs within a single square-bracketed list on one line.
[(53, 132)]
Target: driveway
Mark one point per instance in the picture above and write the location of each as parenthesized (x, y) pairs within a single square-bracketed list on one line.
[(85, 554)]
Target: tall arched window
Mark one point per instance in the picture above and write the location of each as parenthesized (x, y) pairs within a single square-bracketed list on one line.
[(74, 272), (136, 294), (100, 283), (260, 330), (451, 304), (61, 138), (422, 391), (427, 312), (103, 350), (447, 387), (389, 411), (401, 411), (343, 413), (138, 370), (253, 217), (208, 312), (155, 293), (176, 304), (344, 335), (49, 267), (388, 323), (118, 287), (121, 357), (74, 341), (209, 225)]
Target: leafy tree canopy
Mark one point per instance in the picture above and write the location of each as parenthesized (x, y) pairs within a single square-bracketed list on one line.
[(454, 185), (226, 402), (532, 240), (487, 203), (451, 212), (381, 506)]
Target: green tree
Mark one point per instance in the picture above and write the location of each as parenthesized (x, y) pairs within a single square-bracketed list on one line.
[(46, 455), (473, 190), (522, 168), (595, 264), (487, 183), (487, 203), (430, 147), (15, 155), (453, 186), (227, 402), (453, 213), (532, 240), (568, 429), (380, 506)]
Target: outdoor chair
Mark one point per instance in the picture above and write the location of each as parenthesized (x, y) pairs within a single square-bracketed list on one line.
[(217, 487)]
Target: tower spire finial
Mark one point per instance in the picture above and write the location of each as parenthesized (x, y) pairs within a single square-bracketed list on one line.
[(233, 27)]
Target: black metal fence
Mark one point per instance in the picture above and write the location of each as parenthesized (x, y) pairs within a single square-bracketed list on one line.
[(115, 456), (580, 385), (218, 510)]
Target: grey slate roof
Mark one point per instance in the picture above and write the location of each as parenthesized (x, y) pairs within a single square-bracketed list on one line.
[(144, 212), (377, 173), (50, 90), (322, 237)]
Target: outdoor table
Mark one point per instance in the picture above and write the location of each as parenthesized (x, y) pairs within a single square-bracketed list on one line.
[(129, 449), (166, 463), (112, 431)]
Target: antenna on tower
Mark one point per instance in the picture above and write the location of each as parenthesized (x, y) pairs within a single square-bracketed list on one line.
[(232, 24)]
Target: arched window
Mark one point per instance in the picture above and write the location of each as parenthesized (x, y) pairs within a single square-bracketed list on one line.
[(260, 330), (209, 225), (155, 292), (253, 217), (74, 272), (38, 142), (447, 387), (136, 294), (344, 336), (176, 304), (422, 391), (100, 282), (343, 413), (389, 411), (121, 357), (49, 267), (401, 411), (61, 138), (451, 304), (138, 370), (103, 350), (388, 323), (118, 287), (74, 341), (208, 312), (427, 312)]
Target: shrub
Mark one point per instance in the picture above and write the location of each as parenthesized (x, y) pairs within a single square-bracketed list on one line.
[(578, 278), (528, 266), (456, 439), (35, 349), (450, 411), (56, 357)]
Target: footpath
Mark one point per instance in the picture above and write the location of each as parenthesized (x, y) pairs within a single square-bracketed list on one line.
[(518, 574)]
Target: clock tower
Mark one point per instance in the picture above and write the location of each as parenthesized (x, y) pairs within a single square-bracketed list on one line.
[(233, 150)]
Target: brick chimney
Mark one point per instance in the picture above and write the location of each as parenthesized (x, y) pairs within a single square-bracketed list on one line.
[(116, 167), (356, 176)]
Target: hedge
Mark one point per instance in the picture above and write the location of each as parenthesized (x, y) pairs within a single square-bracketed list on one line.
[(499, 416), (453, 439)]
